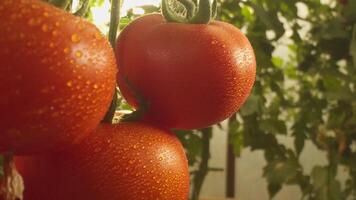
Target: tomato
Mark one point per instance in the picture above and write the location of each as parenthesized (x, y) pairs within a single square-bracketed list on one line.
[(57, 77), (188, 75), (128, 161)]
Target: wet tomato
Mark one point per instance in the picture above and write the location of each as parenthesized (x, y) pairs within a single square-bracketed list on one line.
[(188, 75), (128, 161), (57, 77)]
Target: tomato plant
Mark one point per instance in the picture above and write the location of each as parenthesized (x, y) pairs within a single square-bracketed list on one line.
[(124, 161), (57, 77), (185, 73)]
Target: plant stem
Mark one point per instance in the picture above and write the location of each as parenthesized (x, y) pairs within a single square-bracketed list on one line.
[(203, 170), (113, 30), (114, 21), (60, 3), (12, 185), (83, 10)]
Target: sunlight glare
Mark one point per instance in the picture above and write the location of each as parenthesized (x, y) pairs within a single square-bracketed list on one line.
[(101, 15)]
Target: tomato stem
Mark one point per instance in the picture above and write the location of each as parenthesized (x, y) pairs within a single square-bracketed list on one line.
[(203, 169), (113, 30), (83, 10), (205, 12), (114, 21), (12, 185)]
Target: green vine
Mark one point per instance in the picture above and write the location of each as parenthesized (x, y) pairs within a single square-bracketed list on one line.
[(203, 13)]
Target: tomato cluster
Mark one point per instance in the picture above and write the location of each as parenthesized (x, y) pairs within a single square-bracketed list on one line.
[(57, 80)]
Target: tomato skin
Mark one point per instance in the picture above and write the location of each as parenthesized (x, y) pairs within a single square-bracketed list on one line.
[(57, 77), (128, 161), (190, 75)]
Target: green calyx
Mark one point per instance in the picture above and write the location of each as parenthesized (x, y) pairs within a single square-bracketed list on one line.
[(186, 11)]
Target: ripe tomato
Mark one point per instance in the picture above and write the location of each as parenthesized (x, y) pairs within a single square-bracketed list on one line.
[(190, 75), (57, 77), (128, 161)]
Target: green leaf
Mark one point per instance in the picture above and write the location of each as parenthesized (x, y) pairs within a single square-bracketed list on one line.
[(251, 105), (269, 18), (353, 45), (273, 126), (299, 141), (335, 190), (349, 11), (277, 61), (279, 172), (247, 14), (235, 136), (319, 177), (273, 189), (336, 118)]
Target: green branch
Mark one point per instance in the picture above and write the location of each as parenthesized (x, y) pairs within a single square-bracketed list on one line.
[(113, 30), (114, 21), (63, 4), (203, 170)]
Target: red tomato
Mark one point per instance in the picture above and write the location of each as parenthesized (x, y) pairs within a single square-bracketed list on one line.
[(57, 77), (128, 161), (190, 75)]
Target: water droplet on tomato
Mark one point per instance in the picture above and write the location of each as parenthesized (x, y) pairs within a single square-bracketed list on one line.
[(44, 27), (97, 36), (69, 83), (31, 22), (78, 54), (66, 50), (75, 38), (55, 33)]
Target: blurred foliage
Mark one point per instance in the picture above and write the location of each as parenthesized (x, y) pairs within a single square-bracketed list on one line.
[(304, 89)]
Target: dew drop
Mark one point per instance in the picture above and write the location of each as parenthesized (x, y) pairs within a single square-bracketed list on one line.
[(78, 54), (97, 36), (55, 33), (69, 83), (44, 27), (31, 22), (75, 38), (66, 50)]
